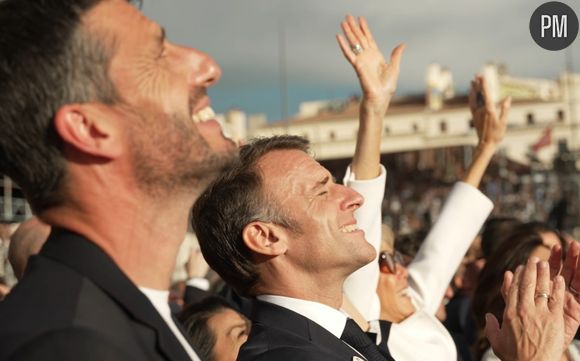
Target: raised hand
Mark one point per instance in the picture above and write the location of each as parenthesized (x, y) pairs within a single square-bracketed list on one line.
[(378, 79), (533, 321), (489, 126)]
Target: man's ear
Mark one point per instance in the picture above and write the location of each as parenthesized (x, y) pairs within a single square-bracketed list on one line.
[(265, 238), (89, 129)]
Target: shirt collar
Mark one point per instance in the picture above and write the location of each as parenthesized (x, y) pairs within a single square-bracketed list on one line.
[(331, 319)]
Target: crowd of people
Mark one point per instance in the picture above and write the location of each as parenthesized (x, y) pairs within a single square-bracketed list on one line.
[(108, 129)]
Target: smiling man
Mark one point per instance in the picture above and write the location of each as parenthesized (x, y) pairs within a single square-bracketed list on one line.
[(277, 227), (107, 128)]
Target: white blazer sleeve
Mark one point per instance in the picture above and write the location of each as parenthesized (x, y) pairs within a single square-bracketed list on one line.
[(432, 269), (361, 286)]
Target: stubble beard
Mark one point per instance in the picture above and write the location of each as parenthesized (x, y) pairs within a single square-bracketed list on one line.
[(174, 160)]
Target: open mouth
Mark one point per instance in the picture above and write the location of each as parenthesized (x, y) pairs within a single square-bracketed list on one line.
[(203, 115), (349, 228), (207, 114)]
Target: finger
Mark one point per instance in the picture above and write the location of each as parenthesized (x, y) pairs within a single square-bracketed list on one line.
[(508, 277), (556, 303), (505, 108), (352, 39), (574, 284), (570, 262), (527, 288), (555, 261), (471, 97), (489, 106), (364, 26), (397, 55), (492, 330), (513, 290), (355, 28), (345, 48), (542, 284)]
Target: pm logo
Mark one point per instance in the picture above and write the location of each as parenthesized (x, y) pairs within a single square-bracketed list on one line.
[(554, 26)]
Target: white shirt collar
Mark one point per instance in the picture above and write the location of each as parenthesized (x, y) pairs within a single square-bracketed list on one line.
[(331, 319), (159, 299)]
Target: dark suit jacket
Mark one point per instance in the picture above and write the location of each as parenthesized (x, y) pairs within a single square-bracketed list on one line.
[(74, 303), (279, 334)]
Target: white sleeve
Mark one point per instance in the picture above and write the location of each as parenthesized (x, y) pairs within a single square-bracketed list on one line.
[(361, 286), (432, 269)]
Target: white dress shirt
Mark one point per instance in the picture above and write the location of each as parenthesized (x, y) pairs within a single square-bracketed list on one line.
[(160, 300), (329, 318)]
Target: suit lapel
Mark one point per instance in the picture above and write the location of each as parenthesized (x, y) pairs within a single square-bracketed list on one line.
[(85, 257), (282, 318)]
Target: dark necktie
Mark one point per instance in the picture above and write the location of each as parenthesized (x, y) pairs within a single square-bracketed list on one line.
[(360, 341)]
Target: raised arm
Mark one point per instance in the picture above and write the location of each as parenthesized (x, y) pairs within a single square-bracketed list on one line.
[(489, 126), (465, 209), (378, 81)]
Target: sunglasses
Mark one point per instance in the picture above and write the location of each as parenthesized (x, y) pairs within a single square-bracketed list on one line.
[(390, 260)]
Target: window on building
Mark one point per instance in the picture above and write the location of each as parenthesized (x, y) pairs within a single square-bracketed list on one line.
[(443, 126), (561, 115), (415, 127), (471, 124), (531, 119), (387, 131), (332, 135)]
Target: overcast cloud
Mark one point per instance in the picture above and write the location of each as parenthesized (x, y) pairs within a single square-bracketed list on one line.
[(243, 36)]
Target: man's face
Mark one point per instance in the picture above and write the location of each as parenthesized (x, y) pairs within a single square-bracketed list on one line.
[(173, 139), (326, 237)]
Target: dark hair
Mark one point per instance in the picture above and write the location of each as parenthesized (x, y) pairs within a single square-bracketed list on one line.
[(495, 231), (194, 319), (231, 202), (512, 252), (47, 59), (409, 244)]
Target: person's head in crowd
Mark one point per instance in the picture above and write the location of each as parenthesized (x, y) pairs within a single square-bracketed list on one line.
[(494, 231), (387, 237), (399, 307), (277, 223), (215, 329), (393, 288), (93, 95), (550, 236), (26, 241), (515, 250), (408, 244)]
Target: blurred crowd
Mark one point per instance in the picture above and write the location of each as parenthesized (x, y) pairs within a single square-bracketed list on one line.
[(156, 237)]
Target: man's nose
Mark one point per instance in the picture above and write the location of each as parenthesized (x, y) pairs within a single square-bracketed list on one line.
[(353, 199), (206, 72)]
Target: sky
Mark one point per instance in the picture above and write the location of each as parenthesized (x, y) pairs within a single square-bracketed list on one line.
[(244, 38)]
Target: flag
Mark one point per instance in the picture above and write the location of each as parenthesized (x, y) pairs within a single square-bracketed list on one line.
[(545, 140)]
